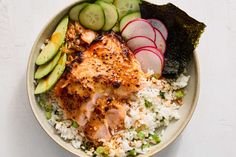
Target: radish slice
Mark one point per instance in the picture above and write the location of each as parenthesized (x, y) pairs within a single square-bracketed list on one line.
[(138, 27), (159, 26), (154, 50), (151, 48), (150, 60), (160, 41), (140, 41)]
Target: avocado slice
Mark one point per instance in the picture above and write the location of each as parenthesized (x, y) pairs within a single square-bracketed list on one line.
[(47, 83), (54, 44), (45, 69)]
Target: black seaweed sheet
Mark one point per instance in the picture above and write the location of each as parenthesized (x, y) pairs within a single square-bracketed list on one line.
[(183, 35)]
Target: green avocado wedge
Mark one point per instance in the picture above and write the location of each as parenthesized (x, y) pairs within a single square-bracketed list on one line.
[(54, 44), (47, 83), (45, 69)]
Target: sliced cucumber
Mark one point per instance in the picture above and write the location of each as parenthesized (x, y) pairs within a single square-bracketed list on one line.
[(129, 17), (116, 28), (108, 1), (127, 6), (91, 1), (74, 12), (111, 15), (92, 17), (45, 69), (54, 44), (47, 83)]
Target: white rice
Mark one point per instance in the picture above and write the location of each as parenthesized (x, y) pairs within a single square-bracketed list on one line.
[(154, 118), (65, 130)]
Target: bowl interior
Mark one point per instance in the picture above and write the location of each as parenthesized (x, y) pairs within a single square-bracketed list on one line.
[(172, 132)]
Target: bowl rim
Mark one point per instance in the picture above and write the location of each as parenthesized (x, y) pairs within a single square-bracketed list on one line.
[(190, 115), (30, 98)]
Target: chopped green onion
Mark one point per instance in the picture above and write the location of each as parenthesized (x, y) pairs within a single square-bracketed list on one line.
[(86, 145), (144, 146), (179, 94), (42, 100), (100, 150), (74, 124), (132, 153), (48, 115), (141, 135), (58, 113), (156, 139), (148, 104), (162, 94), (162, 120), (48, 107)]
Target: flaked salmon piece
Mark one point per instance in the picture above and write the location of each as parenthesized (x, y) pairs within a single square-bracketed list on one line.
[(87, 35), (96, 130), (86, 110), (115, 117), (77, 38), (109, 114), (113, 110)]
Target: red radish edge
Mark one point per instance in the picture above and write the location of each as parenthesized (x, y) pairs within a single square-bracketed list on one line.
[(148, 47), (159, 32), (162, 38), (139, 19), (139, 36), (152, 48), (163, 27), (142, 37), (160, 56)]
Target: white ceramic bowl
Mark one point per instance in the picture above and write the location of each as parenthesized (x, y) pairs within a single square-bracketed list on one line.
[(172, 132)]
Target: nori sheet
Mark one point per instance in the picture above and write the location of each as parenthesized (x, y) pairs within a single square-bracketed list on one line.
[(183, 35)]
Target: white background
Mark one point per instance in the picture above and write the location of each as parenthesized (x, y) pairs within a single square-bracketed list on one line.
[(210, 133)]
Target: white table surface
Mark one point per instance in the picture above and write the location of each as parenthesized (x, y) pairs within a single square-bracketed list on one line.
[(212, 130)]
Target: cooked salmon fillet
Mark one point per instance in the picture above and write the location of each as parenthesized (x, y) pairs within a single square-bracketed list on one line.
[(108, 115), (106, 70)]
